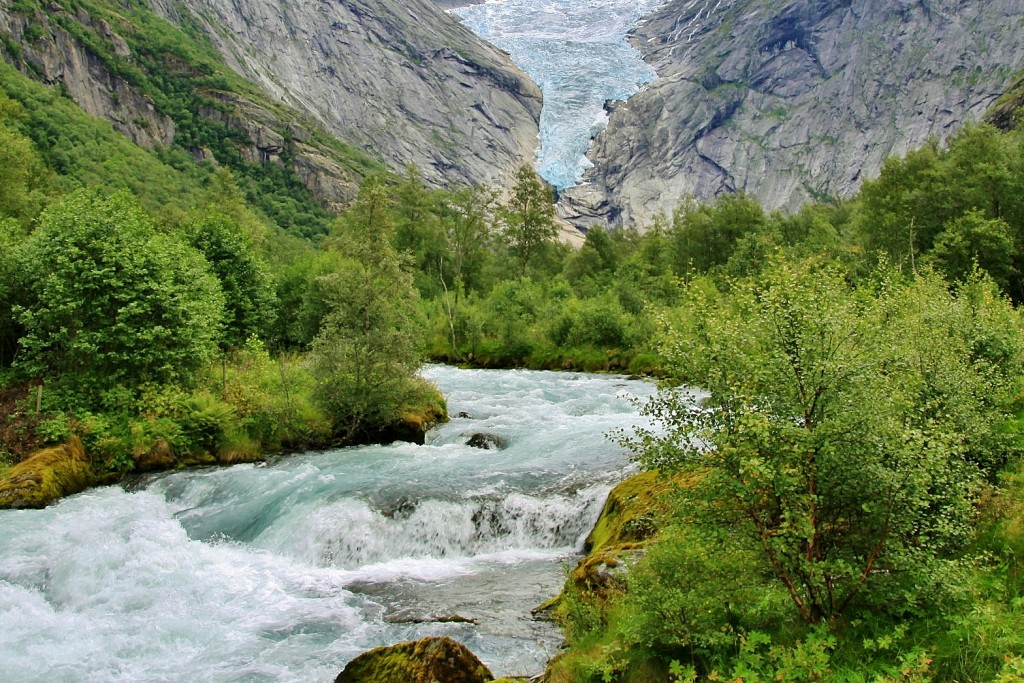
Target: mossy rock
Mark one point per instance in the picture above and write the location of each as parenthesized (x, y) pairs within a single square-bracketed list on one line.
[(160, 457), (633, 510), (630, 517), (414, 421), (430, 660), (46, 476)]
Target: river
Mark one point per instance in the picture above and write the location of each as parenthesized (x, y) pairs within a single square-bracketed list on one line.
[(285, 571)]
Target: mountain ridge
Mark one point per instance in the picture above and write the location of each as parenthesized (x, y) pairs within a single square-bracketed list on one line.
[(791, 101)]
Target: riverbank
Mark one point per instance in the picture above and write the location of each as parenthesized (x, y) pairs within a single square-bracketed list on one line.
[(93, 450)]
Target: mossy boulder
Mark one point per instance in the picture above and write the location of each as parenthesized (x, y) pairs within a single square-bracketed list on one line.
[(430, 660), (46, 476), (160, 456), (631, 513), (415, 420), (630, 517)]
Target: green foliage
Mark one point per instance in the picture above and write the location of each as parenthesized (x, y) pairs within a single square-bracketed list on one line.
[(84, 151), (847, 433), (946, 200), (249, 292), (12, 278), (24, 179), (271, 399), (972, 241), (528, 218), (113, 303), (702, 237), (366, 354)]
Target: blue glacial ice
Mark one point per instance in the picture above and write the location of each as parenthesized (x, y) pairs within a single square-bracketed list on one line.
[(577, 52)]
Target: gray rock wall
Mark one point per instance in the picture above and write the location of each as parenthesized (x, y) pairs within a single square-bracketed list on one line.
[(61, 59), (792, 100), (399, 78)]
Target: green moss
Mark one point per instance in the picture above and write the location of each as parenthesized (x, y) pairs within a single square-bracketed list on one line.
[(630, 518), (631, 512), (427, 409), (46, 476), (420, 661)]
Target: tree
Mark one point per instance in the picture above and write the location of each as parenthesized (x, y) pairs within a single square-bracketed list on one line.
[(465, 234), (24, 179), (248, 289), (974, 240), (847, 433), (366, 355), (12, 239), (528, 217), (111, 302), (704, 236)]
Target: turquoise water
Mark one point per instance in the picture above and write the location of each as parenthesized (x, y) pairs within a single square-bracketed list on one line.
[(286, 571)]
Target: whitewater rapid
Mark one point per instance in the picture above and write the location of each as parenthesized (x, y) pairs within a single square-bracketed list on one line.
[(578, 54), (286, 571)]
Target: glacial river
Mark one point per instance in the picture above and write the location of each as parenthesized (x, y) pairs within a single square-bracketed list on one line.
[(286, 571), (577, 52)]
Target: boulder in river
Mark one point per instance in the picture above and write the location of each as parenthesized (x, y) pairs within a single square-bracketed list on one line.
[(419, 661), (487, 441)]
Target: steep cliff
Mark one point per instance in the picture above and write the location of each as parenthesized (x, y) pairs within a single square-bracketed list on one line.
[(161, 88), (791, 100), (1008, 111), (302, 97), (403, 80)]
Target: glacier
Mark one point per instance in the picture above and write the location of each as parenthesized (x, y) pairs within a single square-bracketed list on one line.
[(577, 52)]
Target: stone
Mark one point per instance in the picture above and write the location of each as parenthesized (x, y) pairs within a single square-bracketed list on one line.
[(46, 476), (430, 660), (402, 79), (160, 457), (488, 442), (791, 101)]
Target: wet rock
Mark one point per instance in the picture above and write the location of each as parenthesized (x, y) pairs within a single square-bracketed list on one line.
[(629, 519), (420, 619), (430, 660), (400, 508), (46, 476), (487, 441), (159, 457)]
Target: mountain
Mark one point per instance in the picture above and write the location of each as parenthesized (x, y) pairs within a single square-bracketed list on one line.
[(324, 93), (402, 79), (792, 100)]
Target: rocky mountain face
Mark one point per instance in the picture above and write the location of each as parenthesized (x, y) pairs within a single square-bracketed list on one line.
[(399, 78), (792, 100), (55, 56), (399, 82), (90, 59)]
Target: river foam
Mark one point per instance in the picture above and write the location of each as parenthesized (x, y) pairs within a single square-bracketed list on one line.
[(284, 572)]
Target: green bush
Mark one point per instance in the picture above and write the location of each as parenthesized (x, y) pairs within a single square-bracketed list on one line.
[(113, 302)]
